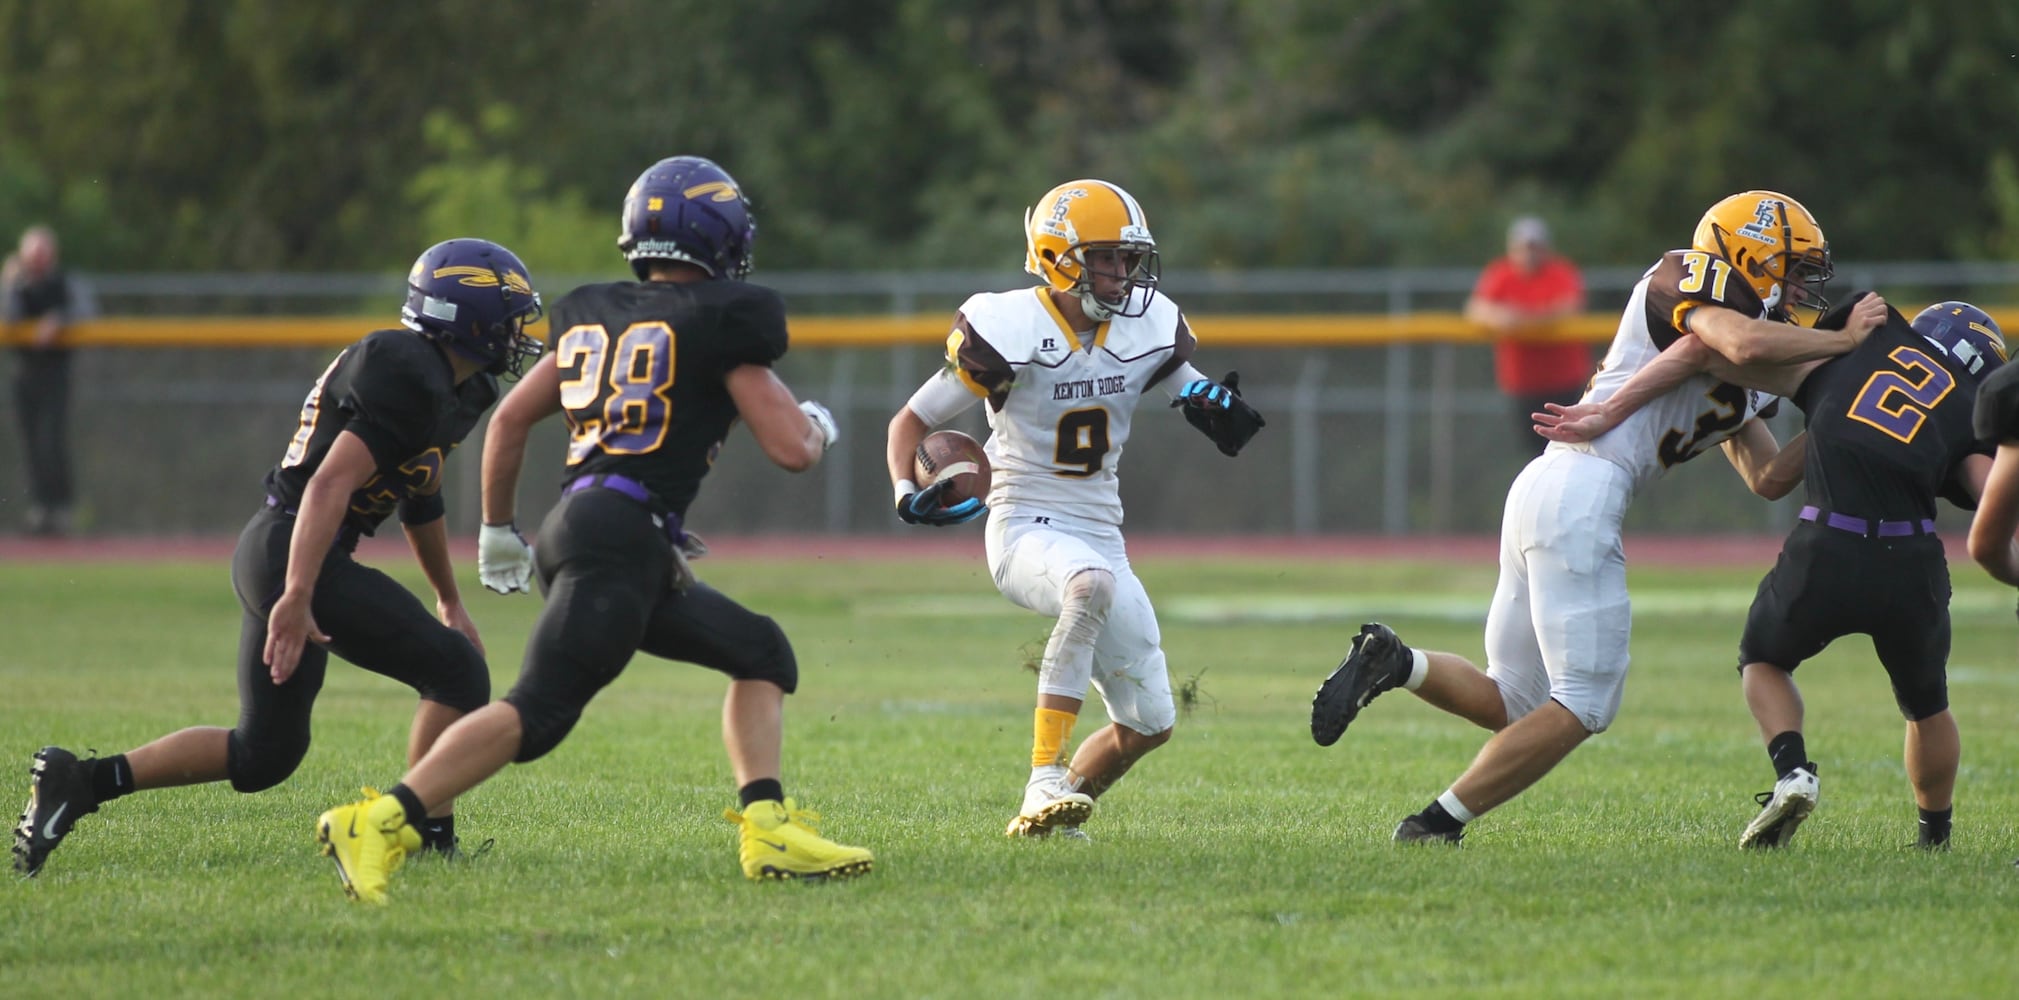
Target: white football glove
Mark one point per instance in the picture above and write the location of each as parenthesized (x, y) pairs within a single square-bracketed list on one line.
[(504, 560), (829, 433)]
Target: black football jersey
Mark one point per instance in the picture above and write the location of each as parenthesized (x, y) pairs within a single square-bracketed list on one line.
[(396, 392), (1686, 279), (642, 375), (1997, 417), (1888, 424)]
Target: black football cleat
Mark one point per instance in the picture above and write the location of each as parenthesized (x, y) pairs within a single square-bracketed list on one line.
[(1378, 662), (59, 794), (1414, 831)]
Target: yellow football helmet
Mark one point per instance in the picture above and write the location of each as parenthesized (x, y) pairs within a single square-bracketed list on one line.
[(1774, 243), (1088, 229)]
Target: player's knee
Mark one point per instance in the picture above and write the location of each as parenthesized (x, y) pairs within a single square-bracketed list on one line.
[(1922, 701), (1136, 743), (543, 724), (1092, 591), (769, 657), (463, 681), (257, 765)]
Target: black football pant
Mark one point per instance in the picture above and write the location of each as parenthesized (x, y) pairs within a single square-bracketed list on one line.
[(607, 567), (1830, 583), (42, 406), (372, 621)]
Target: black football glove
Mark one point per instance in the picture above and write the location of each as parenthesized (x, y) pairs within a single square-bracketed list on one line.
[(923, 507), (1219, 412)]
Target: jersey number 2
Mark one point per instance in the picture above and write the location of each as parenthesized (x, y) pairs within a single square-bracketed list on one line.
[(1900, 417), (621, 396)]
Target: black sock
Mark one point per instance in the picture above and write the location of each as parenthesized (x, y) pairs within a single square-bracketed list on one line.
[(1788, 752), (417, 813), (111, 777), (1436, 820), (760, 790), (1935, 826), (438, 834)]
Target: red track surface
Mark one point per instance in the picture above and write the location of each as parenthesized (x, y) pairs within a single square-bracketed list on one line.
[(1715, 550)]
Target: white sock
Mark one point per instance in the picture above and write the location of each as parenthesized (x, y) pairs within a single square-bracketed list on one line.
[(1419, 668), (1449, 800)]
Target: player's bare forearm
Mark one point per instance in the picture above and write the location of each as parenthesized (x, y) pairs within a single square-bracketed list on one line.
[(430, 543), (316, 521), (1768, 469), (1997, 519), (1753, 342), (1672, 367), (535, 398), (1744, 340), (787, 436), (1587, 421), (907, 429), (324, 503), (504, 455), (1785, 471)]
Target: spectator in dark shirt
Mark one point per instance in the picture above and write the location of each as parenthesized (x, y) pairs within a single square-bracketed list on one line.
[(37, 294)]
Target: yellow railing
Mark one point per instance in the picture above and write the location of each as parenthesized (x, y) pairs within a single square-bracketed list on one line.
[(808, 331), (1327, 330)]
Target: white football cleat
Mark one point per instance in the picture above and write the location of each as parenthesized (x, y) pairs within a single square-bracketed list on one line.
[(1783, 809), (1049, 805)]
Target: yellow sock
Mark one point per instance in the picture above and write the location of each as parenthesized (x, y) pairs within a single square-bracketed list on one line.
[(1051, 729)]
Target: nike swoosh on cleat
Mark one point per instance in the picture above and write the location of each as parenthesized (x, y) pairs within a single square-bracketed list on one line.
[(354, 824), (775, 847), (49, 830)]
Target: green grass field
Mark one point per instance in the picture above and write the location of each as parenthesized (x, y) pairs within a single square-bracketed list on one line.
[(1241, 860)]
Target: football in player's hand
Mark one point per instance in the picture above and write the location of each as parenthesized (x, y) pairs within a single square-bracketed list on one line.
[(956, 457)]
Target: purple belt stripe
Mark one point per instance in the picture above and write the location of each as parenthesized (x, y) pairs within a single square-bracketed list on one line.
[(622, 484), (636, 491), (1869, 529)]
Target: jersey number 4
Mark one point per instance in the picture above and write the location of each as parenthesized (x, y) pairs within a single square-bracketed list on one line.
[(620, 397), (1897, 403)]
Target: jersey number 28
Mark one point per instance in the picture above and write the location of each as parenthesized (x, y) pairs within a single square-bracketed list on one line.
[(620, 398)]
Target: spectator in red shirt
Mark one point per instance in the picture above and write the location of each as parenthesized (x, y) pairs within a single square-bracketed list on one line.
[(1521, 298)]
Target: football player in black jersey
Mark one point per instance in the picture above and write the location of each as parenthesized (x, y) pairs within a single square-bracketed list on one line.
[(1888, 433), (1996, 422), (651, 375), (374, 432)]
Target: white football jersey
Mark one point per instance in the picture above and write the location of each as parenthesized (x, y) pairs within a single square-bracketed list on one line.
[(1058, 410), (1689, 419)]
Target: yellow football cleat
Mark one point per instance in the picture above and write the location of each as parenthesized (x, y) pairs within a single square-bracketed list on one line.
[(779, 842), (368, 840)]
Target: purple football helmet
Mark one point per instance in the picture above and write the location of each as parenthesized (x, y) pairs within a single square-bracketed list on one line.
[(686, 208), (1968, 334), (475, 298)]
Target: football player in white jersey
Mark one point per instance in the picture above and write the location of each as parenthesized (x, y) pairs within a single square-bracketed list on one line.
[(1062, 367), (1556, 632)]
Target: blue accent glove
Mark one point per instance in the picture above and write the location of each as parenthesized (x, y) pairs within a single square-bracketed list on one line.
[(1219, 412), (923, 507), (1204, 393)]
